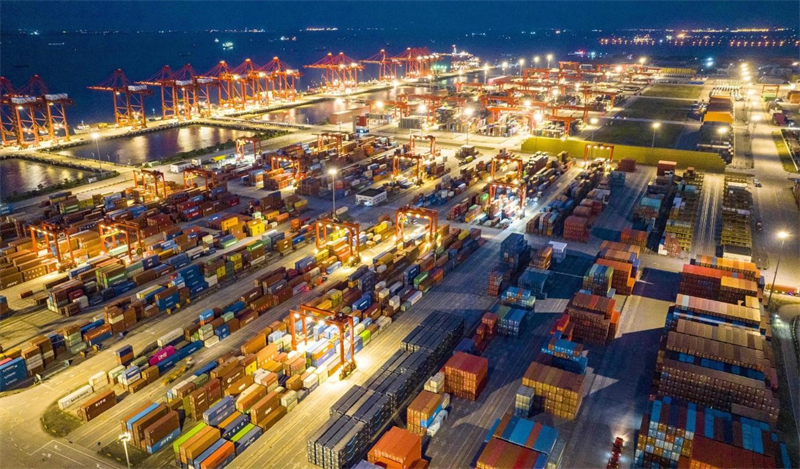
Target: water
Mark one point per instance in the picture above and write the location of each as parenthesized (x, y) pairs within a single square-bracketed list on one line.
[(156, 145), (22, 176)]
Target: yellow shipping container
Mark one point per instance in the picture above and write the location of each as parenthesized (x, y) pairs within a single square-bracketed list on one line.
[(272, 216), (251, 368), (229, 223), (724, 117), (463, 234)]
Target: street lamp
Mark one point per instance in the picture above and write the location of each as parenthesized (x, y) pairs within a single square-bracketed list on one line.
[(549, 58), (521, 64), (504, 66), (593, 121), (96, 138), (782, 235), (536, 60), (125, 438), (468, 112), (485, 73), (332, 173), (655, 126)]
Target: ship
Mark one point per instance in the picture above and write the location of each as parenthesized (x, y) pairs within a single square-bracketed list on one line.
[(227, 45), (82, 128)]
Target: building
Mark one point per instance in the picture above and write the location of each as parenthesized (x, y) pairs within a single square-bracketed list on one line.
[(371, 197)]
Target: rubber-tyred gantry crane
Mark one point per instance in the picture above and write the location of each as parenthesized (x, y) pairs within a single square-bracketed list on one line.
[(387, 66), (591, 149), (209, 177), (340, 321), (417, 62), (324, 137), (129, 230), (325, 226), (516, 187), (398, 160), (52, 234), (241, 146), (128, 98), (39, 114), (276, 160), (341, 71), (502, 158), (412, 147), (404, 213), (146, 177)]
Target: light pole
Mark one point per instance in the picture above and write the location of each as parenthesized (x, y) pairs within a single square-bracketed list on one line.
[(782, 236), (656, 125), (468, 112), (594, 122), (485, 73), (521, 64), (96, 138), (549, 58), (333, 172), (125, 438)]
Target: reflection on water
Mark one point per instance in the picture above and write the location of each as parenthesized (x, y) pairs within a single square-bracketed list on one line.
[(156, 145), (21, 176)]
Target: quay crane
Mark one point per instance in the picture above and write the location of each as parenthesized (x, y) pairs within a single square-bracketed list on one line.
[(340, 71), (128, 98), (387, 66), (417, 62), (38, 115), (165, 80)]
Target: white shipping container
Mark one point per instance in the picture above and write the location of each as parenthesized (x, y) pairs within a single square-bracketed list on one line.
[(98, 380), (211, 341), (394, 301), (383, 294), (114, 373), (322, 373), (169, 337), (289, 398), (116, 319), (75, 396), (310, 381), (211, 281)]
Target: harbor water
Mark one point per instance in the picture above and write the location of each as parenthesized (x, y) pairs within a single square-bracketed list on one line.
[(20, 176)]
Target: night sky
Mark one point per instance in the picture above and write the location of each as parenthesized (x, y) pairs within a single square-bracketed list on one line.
[(443, 16)]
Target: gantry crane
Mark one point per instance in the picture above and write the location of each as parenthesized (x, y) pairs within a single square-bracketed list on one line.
[(147, 175), (397, 161), (165, 79), (209, 177), (589, 150), (417, 62), (341, 71), (9, 129), (325, 226), (129, 109), (338, 137), (281, 79), (52, 234), (228, 84), (430, 138), (125, 228), (340, 321), (404, 213), (400, 108), (39, 114), (516, 186), (250, 84), (241, 146), (193, 92), (276, 160), (504, 157), (387, 66)]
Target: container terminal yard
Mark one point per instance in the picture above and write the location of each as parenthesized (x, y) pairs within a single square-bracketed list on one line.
[(536, 264)]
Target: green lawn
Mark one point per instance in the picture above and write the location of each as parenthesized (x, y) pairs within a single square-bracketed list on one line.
[(783, 153), (658, 109), (638, 134), (675, 91)]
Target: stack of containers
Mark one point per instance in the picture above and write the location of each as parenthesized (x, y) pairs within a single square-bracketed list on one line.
[(634, 237), (543, 258), (566, 354), (525, 433), (598, 280), (397, 449), (465, 375), (622, 277), (557, 392), (627, 165), (511, 322), (594, 318), (576, 228), (535, 280), (423, 410), (523, 401)]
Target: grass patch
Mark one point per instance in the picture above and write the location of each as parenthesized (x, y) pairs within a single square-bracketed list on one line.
[(116, 451), (675, 91), (783, 153), (658, 109), (638, 134), (59, 423)]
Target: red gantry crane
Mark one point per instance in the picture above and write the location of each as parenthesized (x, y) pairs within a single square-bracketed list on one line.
[(144, 177), (320, 316), (9, 130), (509, 187), (325, 226), (412, 147), (228, 86), (503, 158), (417, 62), (129, 230), (128, 98), (341, 71), (589, 151), (53, 234), (40, 115), (387, 66), (398, 160), (250, 84), (165, 79), (209, 177), (193, 92), (281, 79), (403, 214), (241, 147), (324, 138)]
